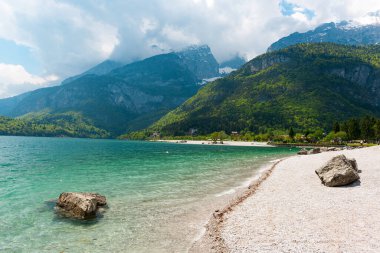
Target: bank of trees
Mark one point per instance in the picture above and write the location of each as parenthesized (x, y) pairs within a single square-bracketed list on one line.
[(366, 129), (62, 125)]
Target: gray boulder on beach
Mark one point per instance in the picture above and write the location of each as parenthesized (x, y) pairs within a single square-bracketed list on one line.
[(302, 152), (80, 205), (314, 151), (339, 171)]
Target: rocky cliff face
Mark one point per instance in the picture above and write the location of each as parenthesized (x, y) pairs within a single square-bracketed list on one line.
[(346, 33), (262, 63), (200, 60), (366, 76), (360, 74)]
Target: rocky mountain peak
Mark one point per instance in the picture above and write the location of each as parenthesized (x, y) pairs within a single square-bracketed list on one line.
[(361, 31), (200, 61), (196, 49)]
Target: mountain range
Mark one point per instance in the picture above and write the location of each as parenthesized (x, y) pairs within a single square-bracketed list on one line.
[(306, 86), (120, 98), (101, 69), (345, 32), (306, 81)]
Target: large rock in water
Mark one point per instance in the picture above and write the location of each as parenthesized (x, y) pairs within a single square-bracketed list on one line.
[(338, 171), (81, 205)]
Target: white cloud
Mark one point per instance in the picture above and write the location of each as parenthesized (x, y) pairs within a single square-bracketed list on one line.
[(176, 35), (69, 36), (327, 10), (147, 25), (370, 19), (299, 16), (15, 79), (62, 36)]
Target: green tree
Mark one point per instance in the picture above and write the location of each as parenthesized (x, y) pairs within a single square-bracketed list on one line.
[(344, 127), (330, 136), (291, 133), (214, 136), (366, 128), (336, 137), (298, 137), (377, 129), (248, 136), (318, 135), (222, 136), (353, 129), (341, 135), (336, 127)]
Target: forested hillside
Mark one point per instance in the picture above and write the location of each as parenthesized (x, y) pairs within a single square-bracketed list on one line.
[(306, 86)]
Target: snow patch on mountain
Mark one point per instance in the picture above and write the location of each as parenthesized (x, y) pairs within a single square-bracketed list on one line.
[(361, 31), (226, 70)]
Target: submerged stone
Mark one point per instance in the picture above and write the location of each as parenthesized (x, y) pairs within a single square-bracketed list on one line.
[(80, 205)]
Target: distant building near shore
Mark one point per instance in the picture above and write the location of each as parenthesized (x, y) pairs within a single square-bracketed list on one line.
[(234, 133)]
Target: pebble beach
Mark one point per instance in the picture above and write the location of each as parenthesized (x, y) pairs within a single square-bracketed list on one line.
[(291, 211)]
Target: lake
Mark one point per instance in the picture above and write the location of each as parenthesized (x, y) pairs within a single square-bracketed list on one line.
[(160, 195)]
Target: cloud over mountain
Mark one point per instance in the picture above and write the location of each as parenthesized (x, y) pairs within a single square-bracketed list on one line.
[(67, 37)]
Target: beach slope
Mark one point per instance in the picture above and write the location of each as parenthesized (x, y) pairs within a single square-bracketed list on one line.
[(292, 211)]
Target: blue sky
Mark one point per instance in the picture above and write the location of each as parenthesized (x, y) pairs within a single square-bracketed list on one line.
[(45, 41), (289, 9), (11, 53)]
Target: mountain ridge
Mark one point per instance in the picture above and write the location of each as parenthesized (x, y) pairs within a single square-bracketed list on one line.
[(305, 86), (124, 95), (344, 32), (102, 68)]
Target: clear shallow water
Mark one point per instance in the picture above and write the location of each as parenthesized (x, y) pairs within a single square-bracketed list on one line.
[(159, 194)]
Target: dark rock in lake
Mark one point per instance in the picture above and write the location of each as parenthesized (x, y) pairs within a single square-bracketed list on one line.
[(80, 205), (338, 171)]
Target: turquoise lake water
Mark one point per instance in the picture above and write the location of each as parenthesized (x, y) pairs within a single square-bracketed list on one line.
[(159, 194)]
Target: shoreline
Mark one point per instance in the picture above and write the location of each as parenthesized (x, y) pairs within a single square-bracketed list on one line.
[(225, 143), (223, 230), (229, 195), (210, 238)]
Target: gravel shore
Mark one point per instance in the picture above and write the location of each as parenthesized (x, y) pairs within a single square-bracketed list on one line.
[(292, 211), (225, 143)]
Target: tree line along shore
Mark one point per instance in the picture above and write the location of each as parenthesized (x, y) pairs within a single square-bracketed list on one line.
[(355, 131)]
